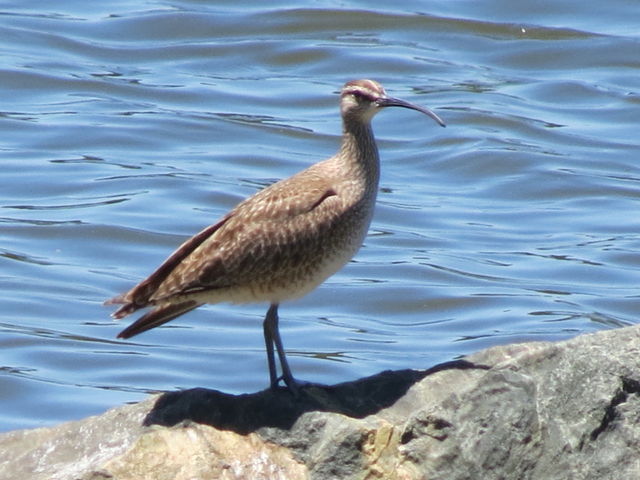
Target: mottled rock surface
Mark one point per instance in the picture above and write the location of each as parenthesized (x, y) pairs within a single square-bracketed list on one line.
[(567, 410)]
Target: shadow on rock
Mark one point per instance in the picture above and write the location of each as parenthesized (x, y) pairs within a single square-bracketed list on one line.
[(279, 408)]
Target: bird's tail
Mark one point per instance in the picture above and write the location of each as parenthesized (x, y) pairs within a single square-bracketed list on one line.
[(159, 315)]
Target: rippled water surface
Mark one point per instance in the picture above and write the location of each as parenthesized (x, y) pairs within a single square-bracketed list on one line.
[(126, 127)]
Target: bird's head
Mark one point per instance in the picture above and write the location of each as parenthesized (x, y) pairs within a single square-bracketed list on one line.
[(362, 99)]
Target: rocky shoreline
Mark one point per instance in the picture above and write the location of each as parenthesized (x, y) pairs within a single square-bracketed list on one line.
[(540, 410)]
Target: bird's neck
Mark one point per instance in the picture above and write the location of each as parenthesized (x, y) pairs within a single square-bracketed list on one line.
[(360, 153)]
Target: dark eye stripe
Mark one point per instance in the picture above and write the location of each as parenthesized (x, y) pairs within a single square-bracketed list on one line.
[(363, 94)]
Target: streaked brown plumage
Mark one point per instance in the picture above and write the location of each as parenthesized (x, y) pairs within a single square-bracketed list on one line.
[(280, 243)]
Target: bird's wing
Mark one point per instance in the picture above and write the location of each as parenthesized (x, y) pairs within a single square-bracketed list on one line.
[(259, 235), (139, 295), (235, 247)]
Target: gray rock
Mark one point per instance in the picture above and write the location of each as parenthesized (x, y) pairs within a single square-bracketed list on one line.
[(567, 410)]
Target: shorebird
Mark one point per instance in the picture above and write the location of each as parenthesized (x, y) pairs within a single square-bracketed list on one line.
[(280, 243)]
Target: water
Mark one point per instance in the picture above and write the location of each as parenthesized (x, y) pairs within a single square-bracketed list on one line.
[(125, 127)]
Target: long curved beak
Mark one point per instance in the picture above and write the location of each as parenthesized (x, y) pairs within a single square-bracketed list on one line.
[(396, 102)]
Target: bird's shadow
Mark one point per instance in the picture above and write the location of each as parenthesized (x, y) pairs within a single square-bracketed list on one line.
[(247, 413)]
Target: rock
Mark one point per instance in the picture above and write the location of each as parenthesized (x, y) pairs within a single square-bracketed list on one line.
[(567, 410)]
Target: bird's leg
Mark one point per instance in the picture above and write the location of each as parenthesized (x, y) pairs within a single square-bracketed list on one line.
[(284, 365), (272, 337), (267, 326)]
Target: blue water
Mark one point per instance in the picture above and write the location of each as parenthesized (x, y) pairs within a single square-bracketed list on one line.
[(126, 127)]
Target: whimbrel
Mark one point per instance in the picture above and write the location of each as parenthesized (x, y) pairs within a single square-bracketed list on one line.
[(280, 243)]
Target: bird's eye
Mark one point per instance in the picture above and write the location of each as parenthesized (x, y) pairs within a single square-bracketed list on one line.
[(361, 96)]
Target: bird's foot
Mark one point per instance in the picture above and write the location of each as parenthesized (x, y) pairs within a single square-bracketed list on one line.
[(294, 386)]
